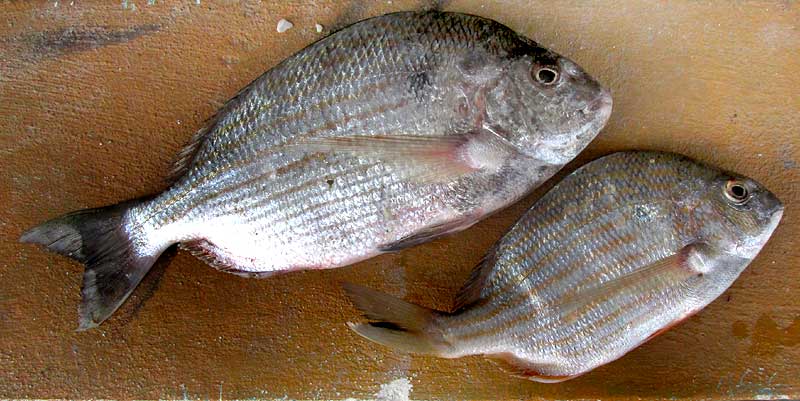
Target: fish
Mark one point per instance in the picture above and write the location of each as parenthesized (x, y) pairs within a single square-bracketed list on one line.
[(618, 252), (386, 134)]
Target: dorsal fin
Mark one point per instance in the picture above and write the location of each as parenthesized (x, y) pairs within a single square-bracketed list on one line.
[(185, 157), (471, 291)]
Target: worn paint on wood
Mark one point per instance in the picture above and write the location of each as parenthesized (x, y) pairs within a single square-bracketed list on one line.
[(97, 97)]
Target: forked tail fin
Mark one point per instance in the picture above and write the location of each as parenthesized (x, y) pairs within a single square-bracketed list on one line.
[(114, 263), (396, 323)]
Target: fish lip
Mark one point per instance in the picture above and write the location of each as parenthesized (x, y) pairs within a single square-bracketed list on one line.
[(598, 110), (776, 215), (602, 103), (773, 208), (752, 248), (777, 206)]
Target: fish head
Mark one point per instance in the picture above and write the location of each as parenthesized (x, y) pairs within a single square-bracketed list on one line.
[(746, 212), (558, 107)]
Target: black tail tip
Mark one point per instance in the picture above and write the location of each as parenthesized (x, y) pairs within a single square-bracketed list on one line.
[(56, 235), (98, 239), (85, 323), (43, 234), (27, 237), (349, 288)]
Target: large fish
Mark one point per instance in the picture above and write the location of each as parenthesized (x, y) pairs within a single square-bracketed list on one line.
[(619, 251), (386, 134)]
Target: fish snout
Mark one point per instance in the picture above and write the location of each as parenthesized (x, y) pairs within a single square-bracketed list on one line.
[(602, 102), (768, 206), (600, 107), (775, 208)]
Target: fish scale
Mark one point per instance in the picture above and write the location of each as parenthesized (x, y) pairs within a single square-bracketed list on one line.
[(304, 169), (621, 249)]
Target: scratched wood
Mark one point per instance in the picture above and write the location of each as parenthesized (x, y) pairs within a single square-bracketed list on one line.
[(96, 98)]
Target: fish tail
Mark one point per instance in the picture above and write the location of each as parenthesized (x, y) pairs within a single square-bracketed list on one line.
[(114, 262), (396, 323)]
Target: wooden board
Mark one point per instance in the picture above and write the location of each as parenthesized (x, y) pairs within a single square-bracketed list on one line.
[(96, 98)]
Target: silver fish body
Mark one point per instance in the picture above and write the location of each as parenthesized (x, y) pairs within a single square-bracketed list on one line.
[(616, 253), (386, 134), (275, 207)]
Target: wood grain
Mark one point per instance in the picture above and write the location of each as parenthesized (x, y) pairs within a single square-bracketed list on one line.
[(97, 97)]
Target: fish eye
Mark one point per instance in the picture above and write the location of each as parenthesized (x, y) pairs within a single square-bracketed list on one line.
[(736, 192), (546, 75)]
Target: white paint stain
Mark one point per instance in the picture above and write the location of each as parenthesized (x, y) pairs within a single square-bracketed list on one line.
[(396, 275), (284, 25), (777, 37), (771, 397), (395, 390), (319, 28), (128, 5)]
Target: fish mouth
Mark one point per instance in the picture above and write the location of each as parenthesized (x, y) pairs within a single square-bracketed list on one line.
[(600, 107), (773, 208), (564, 146), (775, 205), (596, 113), (752, 247), (775, 218)]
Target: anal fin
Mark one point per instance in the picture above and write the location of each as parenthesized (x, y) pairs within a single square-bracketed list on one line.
[(524, 370), (214, 256)]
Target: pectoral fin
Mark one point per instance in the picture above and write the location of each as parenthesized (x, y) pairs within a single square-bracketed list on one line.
[(428, 159), (687, 262)]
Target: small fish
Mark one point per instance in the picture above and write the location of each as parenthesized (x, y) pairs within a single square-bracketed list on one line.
[(386, 134), (620, 251)]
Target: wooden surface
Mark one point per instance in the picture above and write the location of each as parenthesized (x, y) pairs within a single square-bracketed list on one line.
[(96, 98)]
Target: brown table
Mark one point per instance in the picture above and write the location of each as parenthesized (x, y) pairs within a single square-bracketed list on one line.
[(96, 98)]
